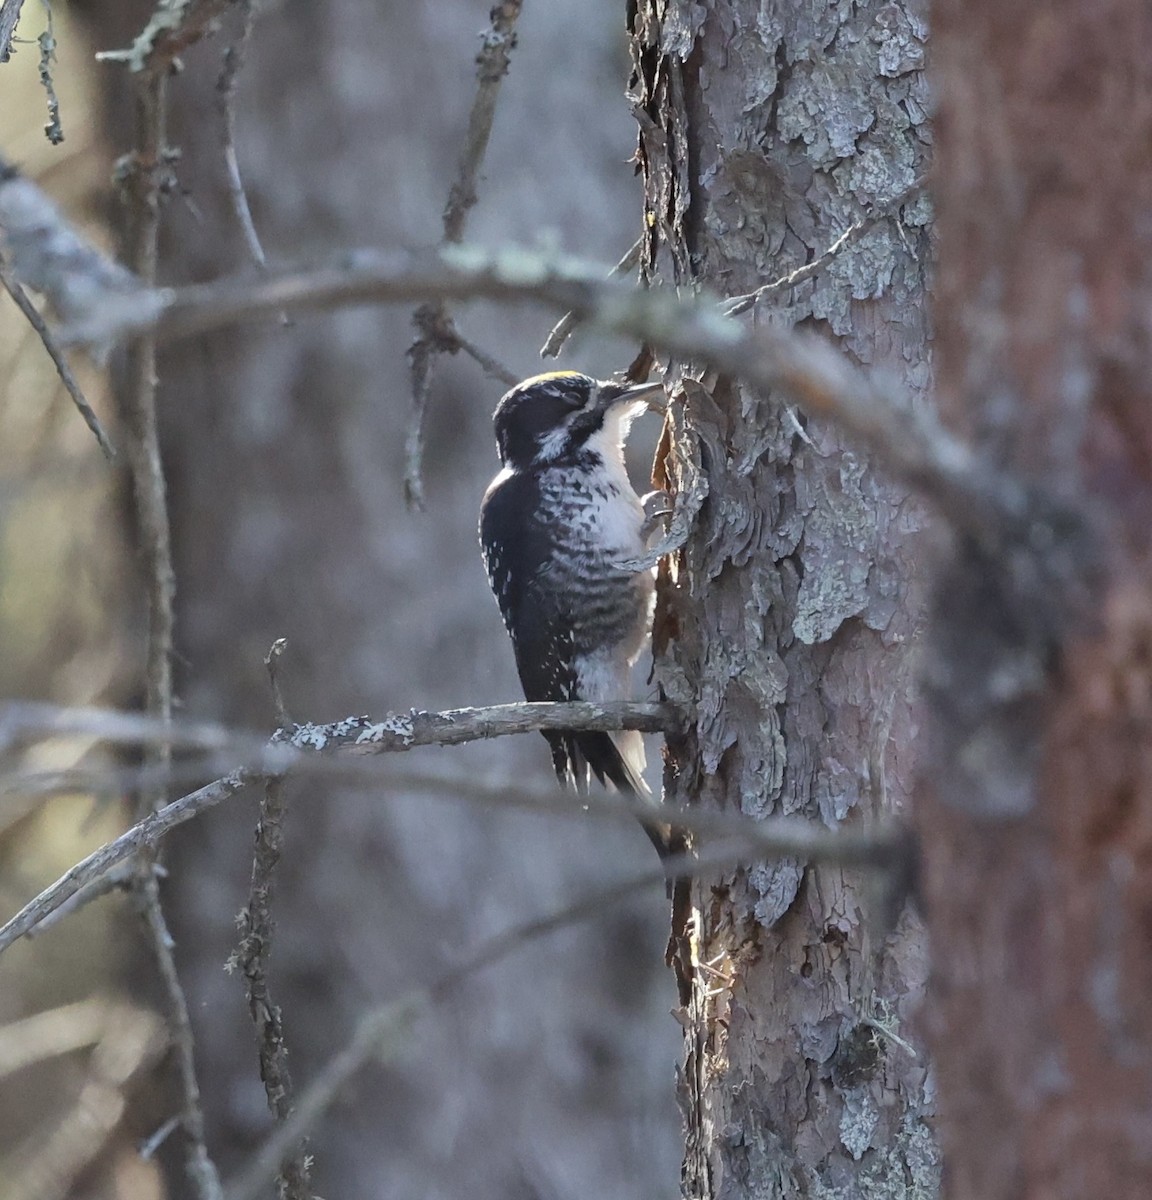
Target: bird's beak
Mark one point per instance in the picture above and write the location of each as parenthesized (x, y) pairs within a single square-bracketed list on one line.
[(649, 394)]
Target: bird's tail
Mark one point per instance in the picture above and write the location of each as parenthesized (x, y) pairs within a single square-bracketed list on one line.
[(616, 759)]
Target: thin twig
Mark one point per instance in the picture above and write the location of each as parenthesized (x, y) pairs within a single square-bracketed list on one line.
[(145, 833), (850, 236), (252, 959), (433, 324), (150, 1146), (234, 58), (119, 879), (564, 328), (198, 1162), (492, 367), (255, 949), (56, 354), (145, 182), (47, 42), (421, 356), (272, 662), (23, 721)]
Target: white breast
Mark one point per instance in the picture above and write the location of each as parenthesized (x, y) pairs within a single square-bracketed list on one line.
[(616, 511)]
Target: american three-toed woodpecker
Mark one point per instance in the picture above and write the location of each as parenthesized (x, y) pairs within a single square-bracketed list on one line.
[(556, 525)]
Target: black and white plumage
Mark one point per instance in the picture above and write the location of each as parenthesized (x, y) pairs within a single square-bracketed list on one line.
[(555, 526)]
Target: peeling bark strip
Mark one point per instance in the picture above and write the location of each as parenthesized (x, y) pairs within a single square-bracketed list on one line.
[(1036, 811), (788, 618)]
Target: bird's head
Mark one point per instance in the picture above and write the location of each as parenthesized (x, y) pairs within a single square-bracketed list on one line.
[(550, 419)]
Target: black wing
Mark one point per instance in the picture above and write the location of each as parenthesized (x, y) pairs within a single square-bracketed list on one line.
[(516, 552)]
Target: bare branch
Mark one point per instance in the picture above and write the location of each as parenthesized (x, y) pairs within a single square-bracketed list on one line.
[(499, 40), (913, 445), (974, 494), (71, 386), (435, 334), (22, 722), (741, 304), (491, 367), (428, 320), (119, 879), (272, 662), (880, 847), (148, 486), (255, 949), (198, 1162), (144, 834)]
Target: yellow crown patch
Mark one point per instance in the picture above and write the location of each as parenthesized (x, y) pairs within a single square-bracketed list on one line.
[(550, 375)]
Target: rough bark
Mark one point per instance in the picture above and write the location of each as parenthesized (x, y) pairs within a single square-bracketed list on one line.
[(1036, 811), (789, 617), (284, 453)]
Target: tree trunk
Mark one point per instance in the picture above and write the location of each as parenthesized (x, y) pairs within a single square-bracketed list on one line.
[(790, 617), (284, 449), (1037, 812)]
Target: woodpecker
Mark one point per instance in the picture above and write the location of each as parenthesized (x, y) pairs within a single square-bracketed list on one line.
[(556, 524)]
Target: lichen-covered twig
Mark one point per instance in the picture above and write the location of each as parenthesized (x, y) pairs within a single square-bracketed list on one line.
[(255, 949), (251, 959), (53, 130), (975, 495), (355, 737), (174, 26)]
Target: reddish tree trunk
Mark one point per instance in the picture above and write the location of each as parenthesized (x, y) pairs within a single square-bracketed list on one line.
[(1037, 818)]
